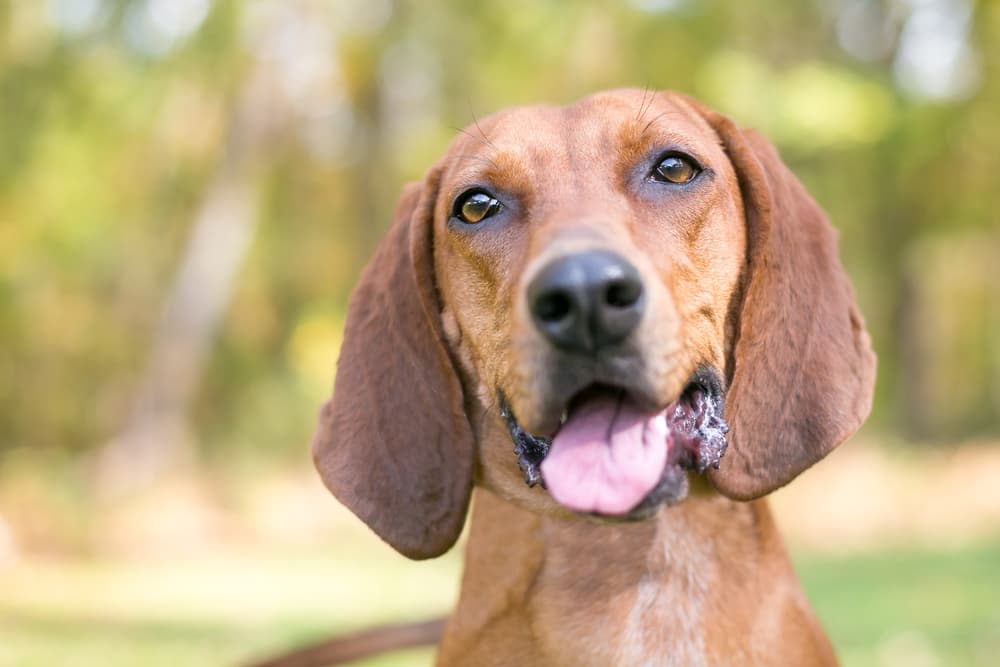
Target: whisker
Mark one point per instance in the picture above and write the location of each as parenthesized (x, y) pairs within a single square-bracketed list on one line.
[(644, 105), (656, 118), (479, 127)]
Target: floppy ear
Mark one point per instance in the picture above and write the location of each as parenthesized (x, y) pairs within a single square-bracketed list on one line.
[(394, 444), (803, 370)]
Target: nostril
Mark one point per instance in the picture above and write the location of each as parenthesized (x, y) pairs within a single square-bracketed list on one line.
[(553, 307), (622, 293), (585, 301)]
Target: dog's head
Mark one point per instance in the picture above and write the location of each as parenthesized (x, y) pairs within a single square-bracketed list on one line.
[(615, 289)]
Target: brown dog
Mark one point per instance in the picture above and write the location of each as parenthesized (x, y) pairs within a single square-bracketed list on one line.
[(602, 287)]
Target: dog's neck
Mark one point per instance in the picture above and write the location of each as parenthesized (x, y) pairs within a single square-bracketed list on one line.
[(677, 589)]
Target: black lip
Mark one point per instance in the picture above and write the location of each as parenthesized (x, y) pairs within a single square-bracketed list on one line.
[(530, 449), (701, 437), (701, 441)]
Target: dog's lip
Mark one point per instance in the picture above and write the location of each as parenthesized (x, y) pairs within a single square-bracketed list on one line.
[(609, 388), (639, 395), (636, 394), (703, 387)]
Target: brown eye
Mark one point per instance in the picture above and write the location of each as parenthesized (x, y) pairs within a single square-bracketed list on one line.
[(676, 169), (475, 207)]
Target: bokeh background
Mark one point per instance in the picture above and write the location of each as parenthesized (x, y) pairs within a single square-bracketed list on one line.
[(188, 189)]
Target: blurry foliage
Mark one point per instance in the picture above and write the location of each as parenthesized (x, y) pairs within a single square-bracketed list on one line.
[(114, 118)]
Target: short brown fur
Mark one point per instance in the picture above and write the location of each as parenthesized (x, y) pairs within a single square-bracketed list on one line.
[(742, 275)]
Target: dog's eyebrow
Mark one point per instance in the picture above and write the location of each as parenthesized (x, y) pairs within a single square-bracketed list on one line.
[(638, 129), (481, 158), (657, 118), (502, 169), (637, 137)]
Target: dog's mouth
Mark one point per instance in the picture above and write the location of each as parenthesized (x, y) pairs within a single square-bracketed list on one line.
[(611, 457)]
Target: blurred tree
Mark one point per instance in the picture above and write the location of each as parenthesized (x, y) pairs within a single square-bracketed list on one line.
[(223, 227)]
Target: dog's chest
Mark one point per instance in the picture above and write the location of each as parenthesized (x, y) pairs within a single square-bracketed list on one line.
[(664, 626), (631, 614)]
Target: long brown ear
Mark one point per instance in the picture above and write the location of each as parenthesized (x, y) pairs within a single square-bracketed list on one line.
[(803, 370), (394, 444)]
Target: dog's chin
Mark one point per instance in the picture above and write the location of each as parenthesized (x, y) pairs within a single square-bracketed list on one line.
[(614, 459)]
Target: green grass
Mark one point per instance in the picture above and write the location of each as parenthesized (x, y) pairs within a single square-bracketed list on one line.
[(911, 607)]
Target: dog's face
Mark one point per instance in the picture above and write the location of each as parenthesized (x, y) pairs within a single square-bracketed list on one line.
[(589, 262), (593, 286)]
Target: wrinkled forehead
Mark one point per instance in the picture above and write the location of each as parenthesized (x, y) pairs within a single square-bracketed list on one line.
[(517, 148)]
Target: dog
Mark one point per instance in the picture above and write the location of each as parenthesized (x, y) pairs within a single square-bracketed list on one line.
[(623, 323)]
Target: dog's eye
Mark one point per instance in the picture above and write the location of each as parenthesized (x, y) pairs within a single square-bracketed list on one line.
[(475, 206), (676, 168)]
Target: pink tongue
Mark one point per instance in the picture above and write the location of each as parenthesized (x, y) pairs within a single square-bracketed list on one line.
[(607, 456)]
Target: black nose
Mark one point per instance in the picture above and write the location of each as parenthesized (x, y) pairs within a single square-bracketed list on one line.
[(587, 301)]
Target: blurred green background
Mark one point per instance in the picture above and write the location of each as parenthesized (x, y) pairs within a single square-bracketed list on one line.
[(188, 189)]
